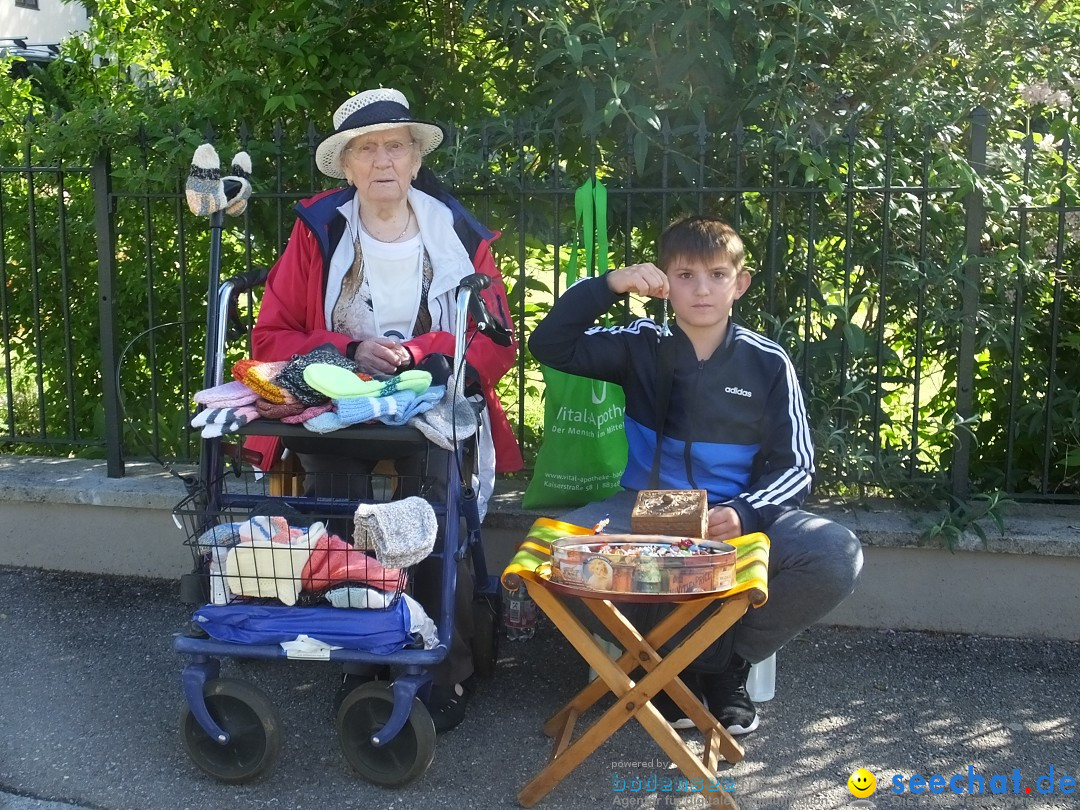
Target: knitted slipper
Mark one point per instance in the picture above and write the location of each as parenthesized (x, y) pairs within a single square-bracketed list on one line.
[(310, 412), (219, 421), (452, 419), (414, 380), (401, 533), (273, 410), (339, 383), (227, 395), (203, 189), (291, 378), (241, 172), (259, 376)]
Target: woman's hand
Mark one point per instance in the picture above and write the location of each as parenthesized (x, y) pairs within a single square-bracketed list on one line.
[(643, 279), (724, 523), (381, 356)]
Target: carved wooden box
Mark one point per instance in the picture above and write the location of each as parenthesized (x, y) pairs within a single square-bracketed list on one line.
[(677, 512)]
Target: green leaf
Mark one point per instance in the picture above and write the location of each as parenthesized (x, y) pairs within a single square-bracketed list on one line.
[(641, 151), (574, 48), (611, 110)]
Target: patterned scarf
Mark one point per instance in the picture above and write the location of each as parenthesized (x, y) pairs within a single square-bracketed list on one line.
[(345, 314)]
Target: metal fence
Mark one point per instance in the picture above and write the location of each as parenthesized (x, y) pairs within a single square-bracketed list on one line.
[(927, 293)]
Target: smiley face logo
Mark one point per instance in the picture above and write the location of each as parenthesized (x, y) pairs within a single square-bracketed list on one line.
[(862, 783)]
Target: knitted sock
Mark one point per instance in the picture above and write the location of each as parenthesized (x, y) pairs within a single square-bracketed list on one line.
[(291, 378), (257, 376), (395, 409), (218, 421), (310, 412), (402, 533), (413, 379), (267, 528), (338, 383), (354, 410), (416, 405), (241, 172), (228, 395), (273, 410), (453, 418), (223, 534), (203, 189)]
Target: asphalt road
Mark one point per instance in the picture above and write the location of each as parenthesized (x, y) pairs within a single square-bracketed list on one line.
[(90, 704)]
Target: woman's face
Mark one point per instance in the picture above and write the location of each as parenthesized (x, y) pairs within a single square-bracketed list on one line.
[(382, 165)]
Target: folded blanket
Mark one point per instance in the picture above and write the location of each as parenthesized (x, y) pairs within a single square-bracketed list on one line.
[(270, 559)]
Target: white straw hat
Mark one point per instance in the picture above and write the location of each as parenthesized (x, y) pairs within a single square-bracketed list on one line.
[(371, 111)]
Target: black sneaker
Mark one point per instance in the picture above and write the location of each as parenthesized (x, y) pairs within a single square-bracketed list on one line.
[(446, 705), (670, 709), (725, 694)]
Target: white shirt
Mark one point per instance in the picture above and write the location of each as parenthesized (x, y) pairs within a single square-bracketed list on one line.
[(393, 273)]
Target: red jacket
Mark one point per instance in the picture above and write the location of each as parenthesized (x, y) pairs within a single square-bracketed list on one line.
[(292, 321)]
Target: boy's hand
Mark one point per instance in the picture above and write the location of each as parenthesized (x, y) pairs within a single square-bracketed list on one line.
[(724, 524), (642, 279)]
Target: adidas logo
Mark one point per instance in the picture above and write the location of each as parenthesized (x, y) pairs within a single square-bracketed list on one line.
[(742, 392)]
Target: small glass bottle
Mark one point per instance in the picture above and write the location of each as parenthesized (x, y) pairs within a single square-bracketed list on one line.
[(519, 614)]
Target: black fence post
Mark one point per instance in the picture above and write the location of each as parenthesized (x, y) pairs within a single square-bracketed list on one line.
[(974, 228), (104, 226)]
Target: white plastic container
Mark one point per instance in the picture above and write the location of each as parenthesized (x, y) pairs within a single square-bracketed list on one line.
[(761, 682)]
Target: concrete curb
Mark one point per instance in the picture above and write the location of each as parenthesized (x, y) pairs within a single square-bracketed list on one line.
[(124, 527)]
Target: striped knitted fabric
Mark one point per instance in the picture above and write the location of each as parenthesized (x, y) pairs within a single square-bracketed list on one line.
[(219, 421), (258, 376), (203, 189), (535, 550), (232, 394), (309, 412), (240, 170), (273, 410), (223, 535), (393, 410), (291, 378)]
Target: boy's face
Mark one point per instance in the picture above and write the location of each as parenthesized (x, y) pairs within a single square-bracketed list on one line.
[(702, 290)]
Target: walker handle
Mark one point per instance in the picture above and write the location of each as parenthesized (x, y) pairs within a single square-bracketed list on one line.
[(479, 311)]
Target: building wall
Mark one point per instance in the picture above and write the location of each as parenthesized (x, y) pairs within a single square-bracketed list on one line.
[(52, 21)]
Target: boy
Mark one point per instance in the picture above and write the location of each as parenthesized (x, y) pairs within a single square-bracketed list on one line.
[(733, 422)]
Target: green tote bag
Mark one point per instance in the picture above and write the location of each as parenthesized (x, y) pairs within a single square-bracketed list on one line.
[(583, 454)]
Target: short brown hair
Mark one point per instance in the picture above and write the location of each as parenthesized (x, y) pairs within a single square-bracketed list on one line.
[(700, 235)]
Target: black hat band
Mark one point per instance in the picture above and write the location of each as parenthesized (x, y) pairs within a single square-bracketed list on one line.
[(378, 112)]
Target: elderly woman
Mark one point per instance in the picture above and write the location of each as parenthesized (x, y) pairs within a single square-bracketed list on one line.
[(373, 268)]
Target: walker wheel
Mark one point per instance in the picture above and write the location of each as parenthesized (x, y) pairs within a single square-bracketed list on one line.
[(254, 727), (406, 757), (485, 640)]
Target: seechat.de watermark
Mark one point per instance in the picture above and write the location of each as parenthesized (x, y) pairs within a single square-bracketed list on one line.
[(863, 783), (976, 783)]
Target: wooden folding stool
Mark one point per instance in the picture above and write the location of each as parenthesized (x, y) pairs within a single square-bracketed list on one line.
[(633, 698)]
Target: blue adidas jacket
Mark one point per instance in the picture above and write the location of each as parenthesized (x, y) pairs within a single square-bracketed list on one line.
[(736, 423)]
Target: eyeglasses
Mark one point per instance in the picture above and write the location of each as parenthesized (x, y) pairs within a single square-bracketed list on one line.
[(368, 150)]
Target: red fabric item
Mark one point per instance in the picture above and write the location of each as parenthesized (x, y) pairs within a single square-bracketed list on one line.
[(333, 561), (292, 321)]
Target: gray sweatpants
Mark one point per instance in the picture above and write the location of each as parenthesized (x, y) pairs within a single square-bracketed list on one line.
[(813, 566)]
